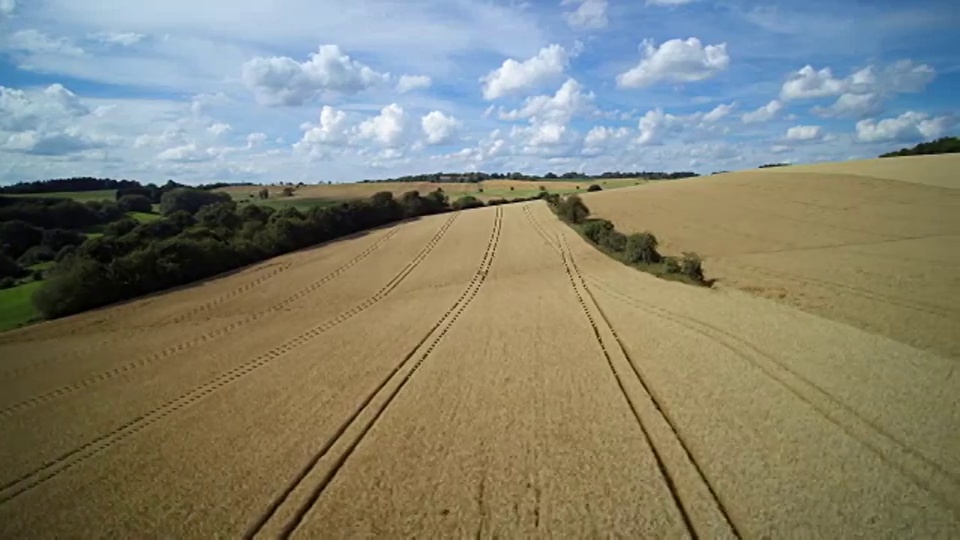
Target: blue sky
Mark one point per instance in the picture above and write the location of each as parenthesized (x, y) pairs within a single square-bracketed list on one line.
[(320, 90)]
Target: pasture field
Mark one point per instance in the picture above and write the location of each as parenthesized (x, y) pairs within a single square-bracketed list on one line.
[(874, 247), (484, 373)]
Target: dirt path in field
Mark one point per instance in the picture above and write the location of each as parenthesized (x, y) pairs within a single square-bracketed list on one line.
[(489, 374)]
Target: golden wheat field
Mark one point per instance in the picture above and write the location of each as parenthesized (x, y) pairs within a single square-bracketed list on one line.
[(488, 373)]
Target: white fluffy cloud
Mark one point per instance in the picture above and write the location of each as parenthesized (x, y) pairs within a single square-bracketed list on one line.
[(763, 114), (284, 81), (7, 7), (568, 101), (852, 106), (718, 113), (909, 126), (332, 129), (513, 76), (413, 82), (655, 124), (804, 133), (256, 139), (439, 128), (668, 2), (219, 129), (188, 153), (898, 78), (677, 61), (53, 107), (589, 15), (387, 128)]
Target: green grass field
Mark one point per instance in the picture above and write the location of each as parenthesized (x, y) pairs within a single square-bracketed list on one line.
[(302, 204), (16, 309), (81, 196)]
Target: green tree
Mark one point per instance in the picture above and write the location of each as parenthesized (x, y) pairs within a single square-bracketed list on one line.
[(642, 248), (135, 203), (189, 200), (573, 210)]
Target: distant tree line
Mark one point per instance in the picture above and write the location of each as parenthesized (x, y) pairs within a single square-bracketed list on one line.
[(943, 145), (474, 177), (772, 165), (86, 183)]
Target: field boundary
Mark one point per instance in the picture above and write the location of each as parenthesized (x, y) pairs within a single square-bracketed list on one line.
[(70, 459), (438, 331), (182, 346)]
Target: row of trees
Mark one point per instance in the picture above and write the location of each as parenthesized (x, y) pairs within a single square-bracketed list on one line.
[(202, 234), (475, 177), (638, 249), (943, 145)]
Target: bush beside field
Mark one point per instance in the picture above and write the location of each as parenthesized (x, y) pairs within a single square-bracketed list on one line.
[(638, 250)]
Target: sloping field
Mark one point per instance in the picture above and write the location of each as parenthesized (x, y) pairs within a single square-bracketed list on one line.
[(483, 373), (874, 252)]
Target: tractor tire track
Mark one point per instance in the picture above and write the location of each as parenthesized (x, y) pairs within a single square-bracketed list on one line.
[(437, 332), (923, 471), (574, 276), (71, 459), (182, 346)]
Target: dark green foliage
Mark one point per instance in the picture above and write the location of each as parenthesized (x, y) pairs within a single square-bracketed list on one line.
[(597, 229), (189, 200), (944, 145), (49, 213), (37, 275), (671, 265), (642, 248), (57, 239), (466, 202), (773, 165), (36, 254), (10, 268), (65, 252), (7, 282), (69, 184), (152, 193), (121, 227), (497, 202), (135, 203), (287, 192), (594, 187), (17, 236), (691, 265), (572, 210), (614, 241), (263, 194)]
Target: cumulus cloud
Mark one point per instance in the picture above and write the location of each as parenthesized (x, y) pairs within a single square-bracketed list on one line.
[(675, 61), (332, 129), (601, 138), (35, 42), (668, 2), (284, 81), (655, 124), (804, 133), (589, 15), (256, 139), (7, 7), (718, 113), (852, 106), (387, 128), (50, 144), (413, 82), (568, 101), (513, 76), (51, 107), (763, 114), (219, 129), (898, 78), (909, 126), (439, 128), (125, 39)]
